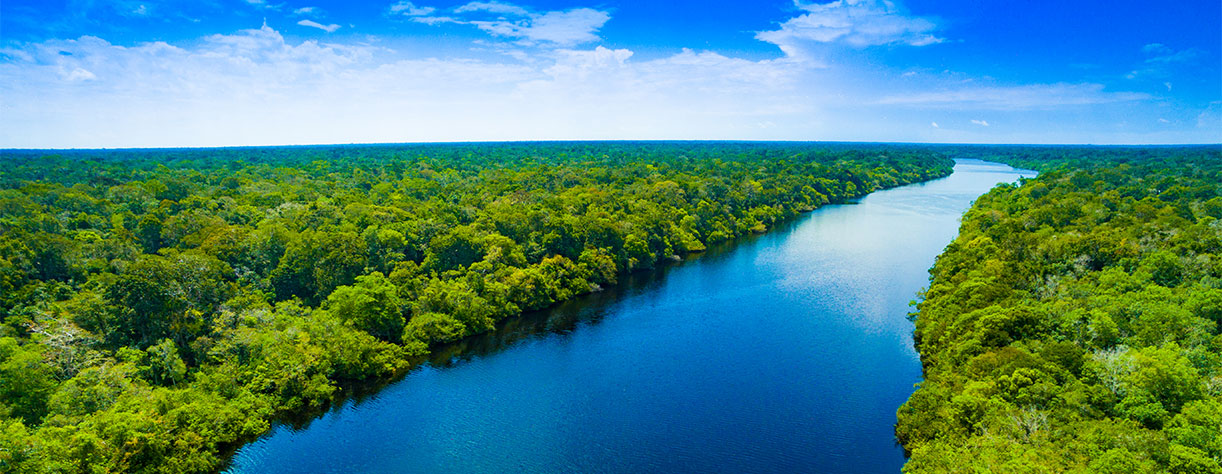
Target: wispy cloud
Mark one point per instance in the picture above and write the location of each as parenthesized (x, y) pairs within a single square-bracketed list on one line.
[(1211, 118), (435, 20), (307, 11), (982, 123), (1021, 97), (264, 4), (1162, 61), (314, 24), (493, 7), (419, 14), (1184, 56), (564, 28), (856, 23), (79, 74), (521, 25), (1161, 53), (407, 8), (254, 87)]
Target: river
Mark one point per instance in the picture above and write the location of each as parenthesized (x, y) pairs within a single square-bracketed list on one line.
[(785, 352)]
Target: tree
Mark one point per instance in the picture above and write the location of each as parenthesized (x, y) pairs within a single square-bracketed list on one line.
[(371, 305), (167, 297)]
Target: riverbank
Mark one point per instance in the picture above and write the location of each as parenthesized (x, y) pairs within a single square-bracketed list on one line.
[(160, 306), (1073, 325), (751, 346)]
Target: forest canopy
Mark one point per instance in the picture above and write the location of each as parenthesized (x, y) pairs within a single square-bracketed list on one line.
[(160, 307), (1073, 325)]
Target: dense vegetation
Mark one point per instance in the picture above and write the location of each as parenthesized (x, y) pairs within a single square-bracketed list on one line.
[(157, 308), (1073, 325)]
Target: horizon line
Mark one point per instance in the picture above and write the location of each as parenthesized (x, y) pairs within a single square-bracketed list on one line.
[(550, 141)]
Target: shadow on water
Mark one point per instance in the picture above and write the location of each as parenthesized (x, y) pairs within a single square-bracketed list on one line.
[(557, 320), (567, 316), (734, 360)]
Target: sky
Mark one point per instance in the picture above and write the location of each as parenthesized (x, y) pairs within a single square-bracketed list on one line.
[(169, 73)]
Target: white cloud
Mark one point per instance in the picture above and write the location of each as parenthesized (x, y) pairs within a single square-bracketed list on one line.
[(1156, 48), (1162, 63), (434, 20), (982, 123), (564, 28), (493, 7), (254, 87), (856, 23), (314, 24), (1211, 119), (1163, 54), (1163, 120), (1184, 56), (1023, 97), (79, 74), (263, 4), (307, 11), (409, 9)]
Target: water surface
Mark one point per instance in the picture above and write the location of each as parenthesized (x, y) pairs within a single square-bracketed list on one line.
[(788, 352)]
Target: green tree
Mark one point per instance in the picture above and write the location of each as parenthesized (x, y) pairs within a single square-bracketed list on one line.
[(371, 305)]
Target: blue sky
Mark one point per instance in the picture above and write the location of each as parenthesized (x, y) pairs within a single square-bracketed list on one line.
[(139, 73)]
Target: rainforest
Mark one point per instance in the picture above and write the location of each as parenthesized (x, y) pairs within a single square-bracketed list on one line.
[(162, 307), (1073, 325), (569, 236)]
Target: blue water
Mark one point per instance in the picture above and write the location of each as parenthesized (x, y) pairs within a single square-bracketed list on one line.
[(787, 352)]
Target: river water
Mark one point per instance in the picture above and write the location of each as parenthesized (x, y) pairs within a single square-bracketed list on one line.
[(786, 352)]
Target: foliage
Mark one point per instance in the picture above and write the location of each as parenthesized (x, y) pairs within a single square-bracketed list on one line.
[(1073, 325), (160, 307)]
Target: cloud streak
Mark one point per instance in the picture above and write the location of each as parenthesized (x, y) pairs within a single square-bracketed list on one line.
[(855, 23), (407, 8), (314, 24), (520, 25), (493, 7), (563, 28), (1023, 97)]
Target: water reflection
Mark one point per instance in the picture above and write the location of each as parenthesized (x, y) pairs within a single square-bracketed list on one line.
[(787, 352)]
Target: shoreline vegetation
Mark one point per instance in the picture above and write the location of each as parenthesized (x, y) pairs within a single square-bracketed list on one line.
[(1073, 324), (162, 307)]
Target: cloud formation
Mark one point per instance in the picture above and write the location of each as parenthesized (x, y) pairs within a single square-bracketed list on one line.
[(521, 25), (314, 24), (407, 8), (1010, 98), (856, 23), (564, 28), (493, 7), (306, 11), (254, 87)]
